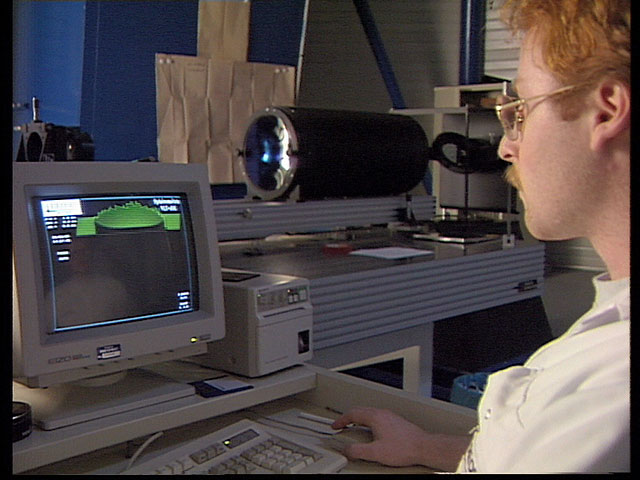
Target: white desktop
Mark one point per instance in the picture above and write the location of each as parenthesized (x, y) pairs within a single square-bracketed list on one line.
[(116, 272), (118, 289)]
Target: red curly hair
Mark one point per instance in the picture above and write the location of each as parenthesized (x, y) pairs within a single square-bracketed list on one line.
[(582, 41)]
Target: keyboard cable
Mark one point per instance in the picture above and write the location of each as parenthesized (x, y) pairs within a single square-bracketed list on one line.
[(141, 449)]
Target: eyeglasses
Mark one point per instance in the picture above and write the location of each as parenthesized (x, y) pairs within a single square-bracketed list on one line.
[(511, 111)]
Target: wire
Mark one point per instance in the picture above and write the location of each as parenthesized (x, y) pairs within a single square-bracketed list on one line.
[(286, 426), (472, 155), (142, 447)]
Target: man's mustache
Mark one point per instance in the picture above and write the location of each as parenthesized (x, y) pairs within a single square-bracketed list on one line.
[(512, 177)]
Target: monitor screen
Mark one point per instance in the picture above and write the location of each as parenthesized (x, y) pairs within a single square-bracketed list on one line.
[(115, 258), (116, 265)]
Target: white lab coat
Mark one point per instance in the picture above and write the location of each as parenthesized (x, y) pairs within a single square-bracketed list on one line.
[(567, 408)]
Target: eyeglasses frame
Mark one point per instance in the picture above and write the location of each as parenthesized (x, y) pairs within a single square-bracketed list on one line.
[(512, 131)]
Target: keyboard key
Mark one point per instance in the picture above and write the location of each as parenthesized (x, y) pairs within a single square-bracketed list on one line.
[(255, 450), (176, 467), (187, 463), (214, 450), (295, 467), (199, 457)]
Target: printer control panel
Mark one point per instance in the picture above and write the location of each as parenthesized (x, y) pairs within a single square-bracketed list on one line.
[(282, 297)]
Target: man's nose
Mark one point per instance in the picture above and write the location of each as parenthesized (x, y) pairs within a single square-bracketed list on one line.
[(507, 149)]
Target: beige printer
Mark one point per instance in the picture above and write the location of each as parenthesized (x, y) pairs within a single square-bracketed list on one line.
[(268, 324)]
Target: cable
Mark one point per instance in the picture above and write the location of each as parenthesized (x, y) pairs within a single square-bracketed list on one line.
[(286, 426), (142, 447), (471, 155), (327, 440)]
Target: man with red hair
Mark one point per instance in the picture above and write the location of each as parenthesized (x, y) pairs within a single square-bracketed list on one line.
[(567, 136)]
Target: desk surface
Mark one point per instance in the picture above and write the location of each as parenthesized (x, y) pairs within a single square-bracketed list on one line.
[(332, 392), (112, 460), (304, 256)]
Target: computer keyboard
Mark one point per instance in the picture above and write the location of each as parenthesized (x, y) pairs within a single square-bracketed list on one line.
[(244, 447)]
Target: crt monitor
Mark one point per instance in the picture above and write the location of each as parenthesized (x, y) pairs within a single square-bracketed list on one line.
[(116, 266)]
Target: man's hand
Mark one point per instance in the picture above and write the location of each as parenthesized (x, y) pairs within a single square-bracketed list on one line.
[(397, 442)]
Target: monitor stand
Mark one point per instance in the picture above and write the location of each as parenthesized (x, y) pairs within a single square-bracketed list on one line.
[(72, 403)]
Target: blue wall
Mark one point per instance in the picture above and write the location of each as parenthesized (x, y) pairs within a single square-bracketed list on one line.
[(92, 63), (48, 42), (275, 31), (118, 87)]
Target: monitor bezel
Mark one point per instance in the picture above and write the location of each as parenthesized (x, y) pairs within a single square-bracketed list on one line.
[(34, 193), (34, 356)]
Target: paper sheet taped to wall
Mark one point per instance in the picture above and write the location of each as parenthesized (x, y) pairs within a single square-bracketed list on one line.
[(203, 108), (223, 30)]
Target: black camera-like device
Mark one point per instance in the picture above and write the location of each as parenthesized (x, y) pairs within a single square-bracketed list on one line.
[(46, 142)]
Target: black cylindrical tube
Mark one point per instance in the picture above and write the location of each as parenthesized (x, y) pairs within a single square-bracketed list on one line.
[(334, 153)]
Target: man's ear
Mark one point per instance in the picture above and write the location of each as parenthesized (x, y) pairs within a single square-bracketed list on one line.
[(612, 112)]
